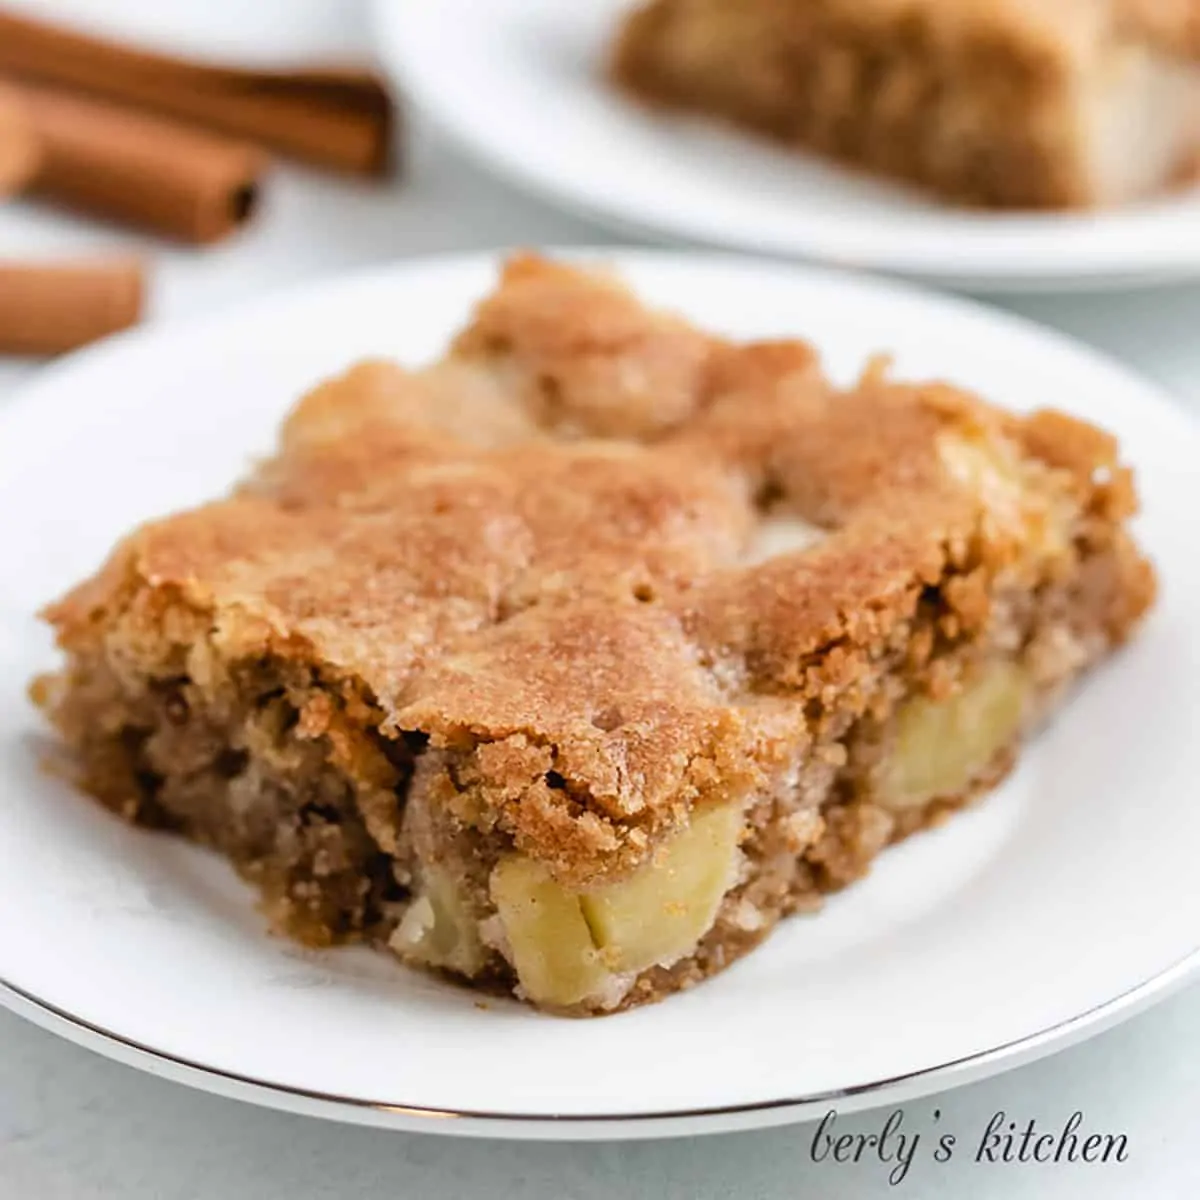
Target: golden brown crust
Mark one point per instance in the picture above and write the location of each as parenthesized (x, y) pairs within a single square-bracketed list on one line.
[(538, 553)]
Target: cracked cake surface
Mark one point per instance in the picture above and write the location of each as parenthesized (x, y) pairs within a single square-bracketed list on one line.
[(572, 662)]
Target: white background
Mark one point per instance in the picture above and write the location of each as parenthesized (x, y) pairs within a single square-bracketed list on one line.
[(73, 1125)]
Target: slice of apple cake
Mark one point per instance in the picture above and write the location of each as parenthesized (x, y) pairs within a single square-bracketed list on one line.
[(572, 663), (1001, 103)]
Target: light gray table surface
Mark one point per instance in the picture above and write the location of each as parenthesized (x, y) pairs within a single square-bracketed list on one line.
[(73, 1125)]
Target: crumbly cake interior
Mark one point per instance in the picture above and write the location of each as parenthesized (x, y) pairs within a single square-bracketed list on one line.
[(570, 664), (998, 103)]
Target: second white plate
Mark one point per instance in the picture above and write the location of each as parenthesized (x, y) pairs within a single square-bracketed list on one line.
[(519, 84), (1059, 904)]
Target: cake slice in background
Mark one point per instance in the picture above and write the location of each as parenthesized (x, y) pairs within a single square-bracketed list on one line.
[(1026, 104)]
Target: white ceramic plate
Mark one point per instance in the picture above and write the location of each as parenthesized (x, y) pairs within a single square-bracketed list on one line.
[(518, 83), (1059, 905)]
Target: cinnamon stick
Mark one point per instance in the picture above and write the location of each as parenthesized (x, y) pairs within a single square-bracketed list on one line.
[(48, 308), (328, 115), (19, 152), (140, 169)]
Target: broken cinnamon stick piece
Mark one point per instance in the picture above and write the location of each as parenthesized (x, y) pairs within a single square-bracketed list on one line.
[(332, 116), (140, 169), (19, 151), (49, 308)]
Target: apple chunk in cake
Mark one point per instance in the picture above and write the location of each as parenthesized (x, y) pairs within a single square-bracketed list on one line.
[(1004, 103), (572, 663)]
